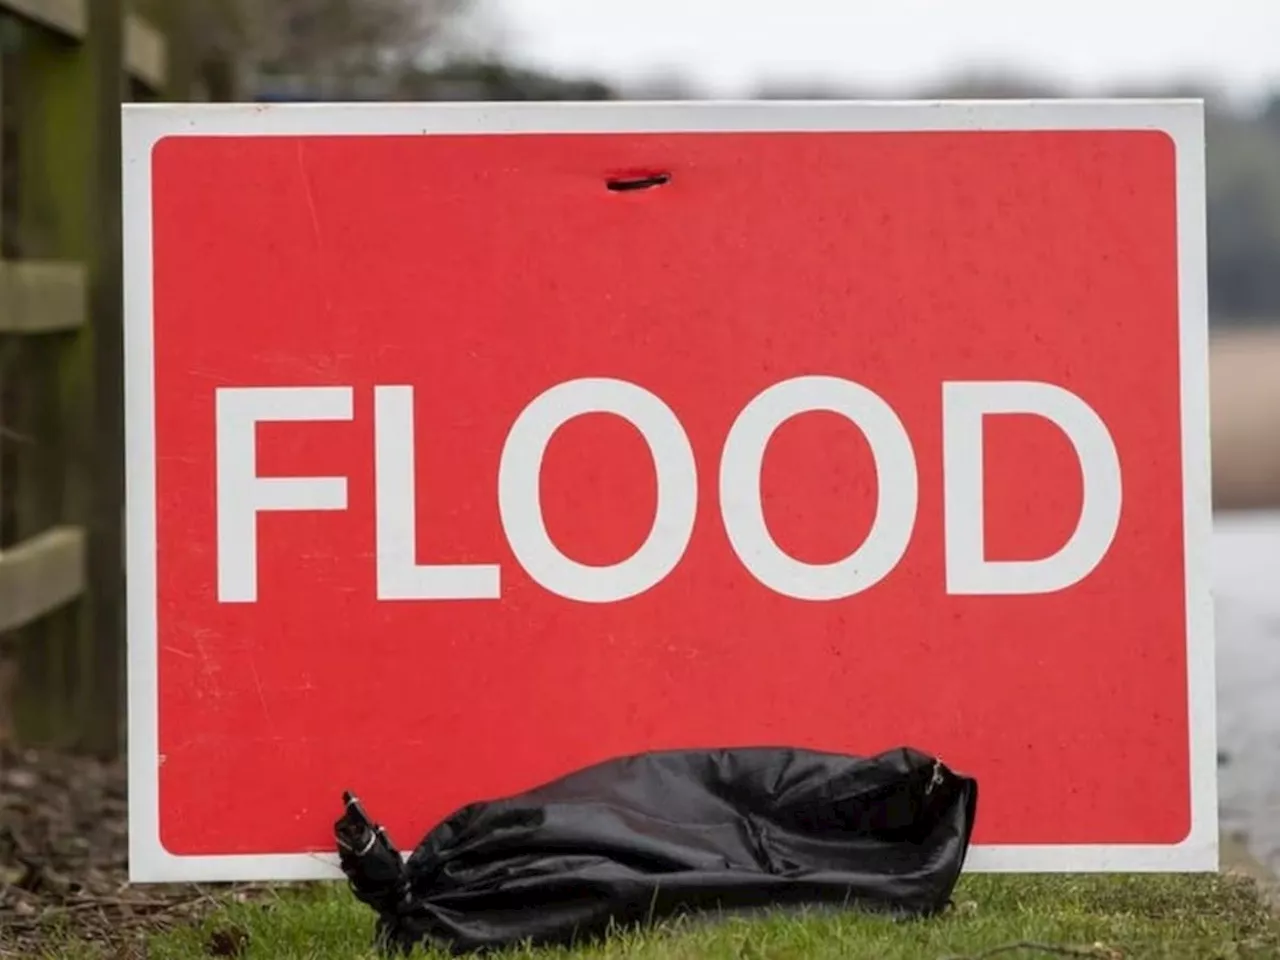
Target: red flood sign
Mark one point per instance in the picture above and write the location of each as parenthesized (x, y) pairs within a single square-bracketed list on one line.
[(469, 445)]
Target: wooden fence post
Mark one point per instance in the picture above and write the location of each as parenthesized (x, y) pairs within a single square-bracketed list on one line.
[(52, 221)]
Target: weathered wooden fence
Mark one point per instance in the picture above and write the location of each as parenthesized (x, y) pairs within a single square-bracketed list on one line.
[(65, 66)]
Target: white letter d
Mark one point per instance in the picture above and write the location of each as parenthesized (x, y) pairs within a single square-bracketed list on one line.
[(968, 570)]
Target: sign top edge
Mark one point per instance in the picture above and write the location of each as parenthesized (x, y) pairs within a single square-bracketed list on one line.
[(700, 106), (153, 122)]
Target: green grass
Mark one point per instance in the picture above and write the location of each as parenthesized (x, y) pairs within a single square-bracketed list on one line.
[(1199, 916)]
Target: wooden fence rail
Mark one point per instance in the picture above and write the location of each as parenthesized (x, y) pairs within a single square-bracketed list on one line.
[(40, 575), (41, 296)]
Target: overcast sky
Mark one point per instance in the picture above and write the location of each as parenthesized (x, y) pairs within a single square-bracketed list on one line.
[(727, 46)]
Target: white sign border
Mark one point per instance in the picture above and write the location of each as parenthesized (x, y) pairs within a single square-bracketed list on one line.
[(147, 124)]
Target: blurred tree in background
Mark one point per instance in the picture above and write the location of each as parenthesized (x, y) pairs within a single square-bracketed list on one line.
[(310, 49), (346, 48)]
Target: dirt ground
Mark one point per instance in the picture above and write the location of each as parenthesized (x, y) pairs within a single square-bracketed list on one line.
[(63, 860)]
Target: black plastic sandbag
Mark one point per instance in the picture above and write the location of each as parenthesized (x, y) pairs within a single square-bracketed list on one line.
[(641, 838)]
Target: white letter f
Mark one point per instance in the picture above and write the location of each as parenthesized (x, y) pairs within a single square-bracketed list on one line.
[(242, 494)]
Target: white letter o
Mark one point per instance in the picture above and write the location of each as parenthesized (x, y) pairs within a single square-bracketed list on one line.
[(521, 509), (743, 510)]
